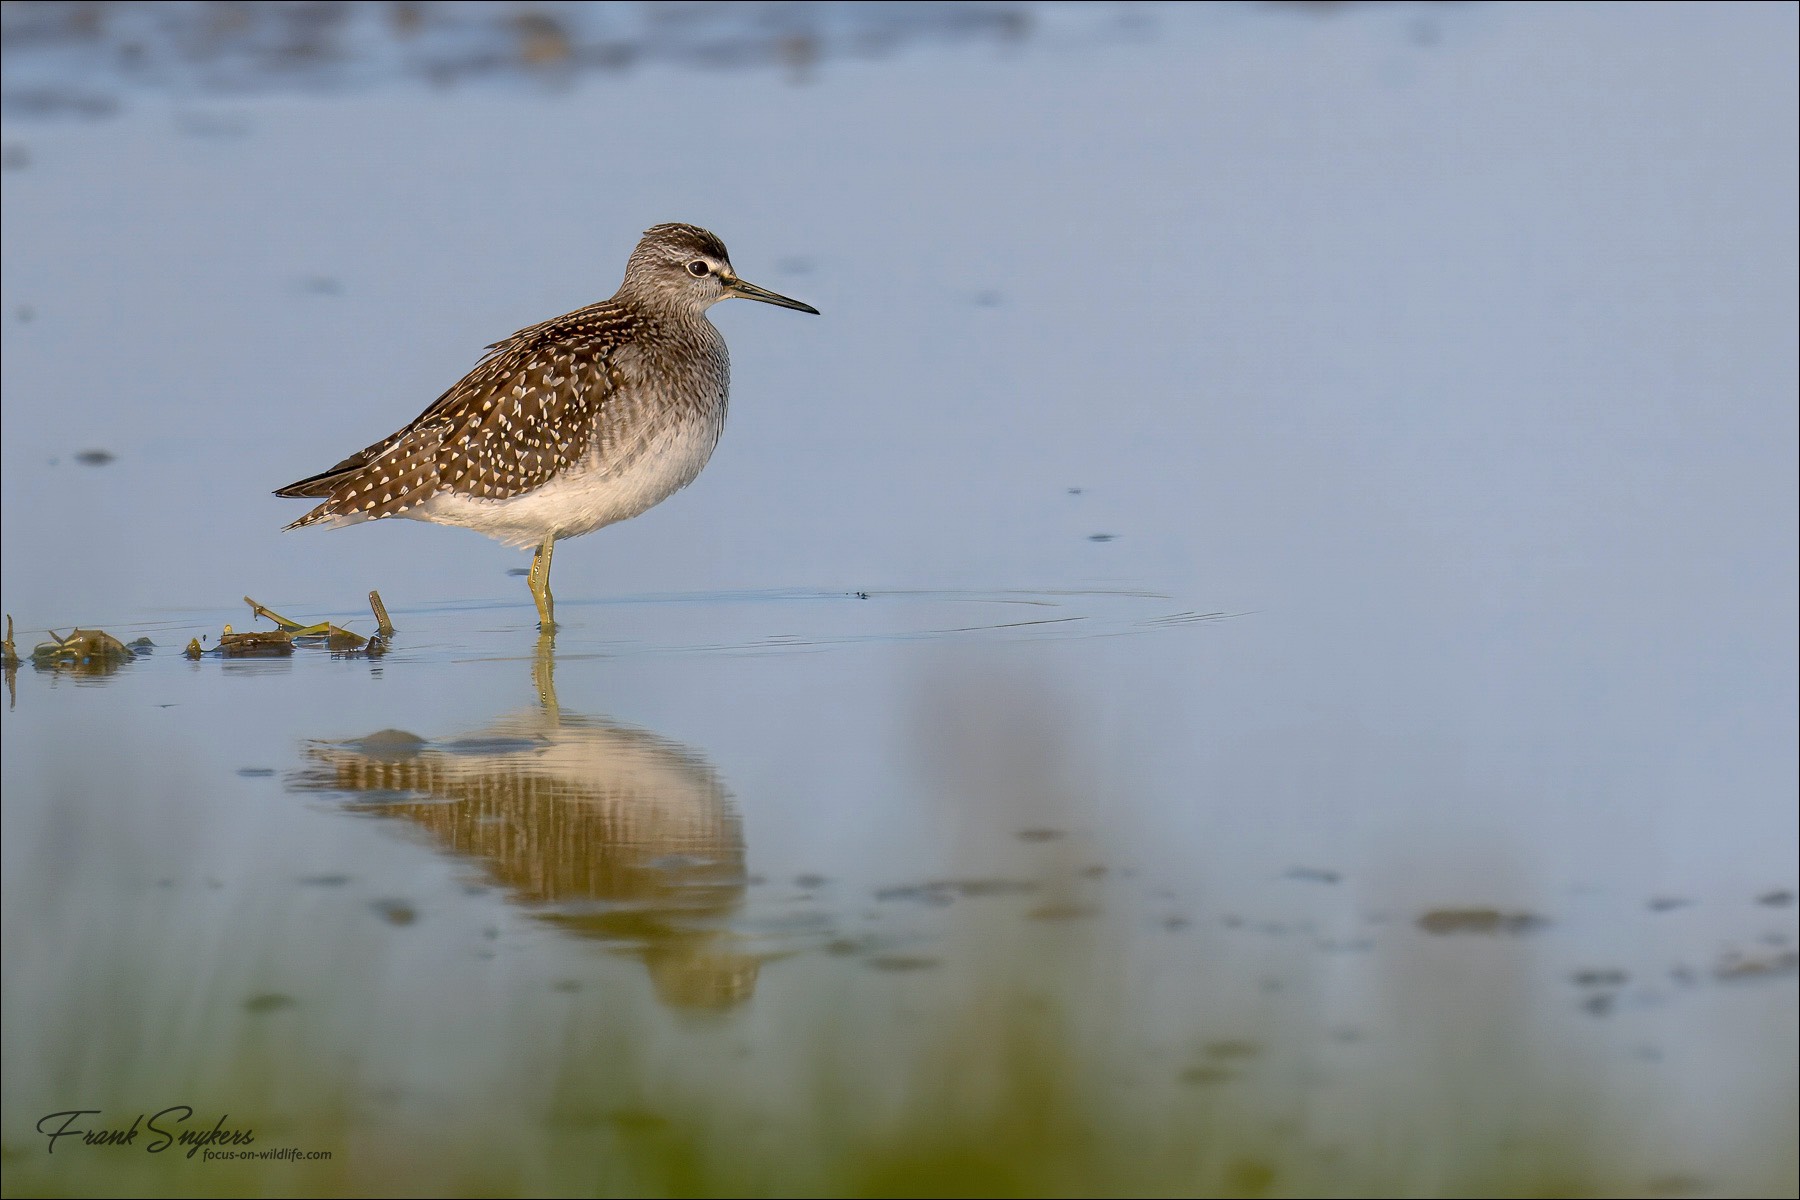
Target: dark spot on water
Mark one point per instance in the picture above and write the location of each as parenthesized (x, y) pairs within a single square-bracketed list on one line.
[(1038, 835), (395, 912), (94, 458), (809, 882), (1093, 871), (1074, 491), (566, 985), (1599, 1004), (321, 285), (1667, 903), (1738, 968), (323, 880), (794, 264), (900, 962), (25, 313), (1312, 875), (267, 1002), (924, 892), (1102, 537), (989, 299), (843, 947), (1599, 977), (1776, 899), (1175, 924), (1249, 1177), (15, 157), (1353, 946), (861, 595), (1062, 912), (1207, 1076), (518, 570), (1479, 920), (256, 772), (991, 887)]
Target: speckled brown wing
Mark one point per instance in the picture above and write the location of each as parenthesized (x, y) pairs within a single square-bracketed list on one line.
[(529, 410)]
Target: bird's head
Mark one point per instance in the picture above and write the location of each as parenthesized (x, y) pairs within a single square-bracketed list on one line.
[(687, 268)]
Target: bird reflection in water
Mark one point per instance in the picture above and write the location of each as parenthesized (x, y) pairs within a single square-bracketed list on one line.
[(605, 831)]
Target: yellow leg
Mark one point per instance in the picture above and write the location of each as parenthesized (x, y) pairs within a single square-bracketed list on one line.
[(543, 673), (539, 579)]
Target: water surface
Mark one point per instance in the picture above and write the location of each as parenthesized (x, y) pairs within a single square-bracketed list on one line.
[(1249, 651)]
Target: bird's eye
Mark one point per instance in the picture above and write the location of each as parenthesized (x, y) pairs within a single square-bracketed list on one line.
[(698, 268)]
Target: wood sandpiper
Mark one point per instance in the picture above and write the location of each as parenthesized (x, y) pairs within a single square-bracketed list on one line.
[(569, 425)]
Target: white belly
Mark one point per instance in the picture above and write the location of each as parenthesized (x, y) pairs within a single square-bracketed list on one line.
[(582, 501)]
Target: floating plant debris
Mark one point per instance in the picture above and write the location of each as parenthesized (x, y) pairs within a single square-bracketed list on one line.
[(334, 636), (268, 644), (383, 626), (88, 651), (288, 633)]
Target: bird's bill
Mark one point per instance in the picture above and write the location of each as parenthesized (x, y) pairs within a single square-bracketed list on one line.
[(750, 291)]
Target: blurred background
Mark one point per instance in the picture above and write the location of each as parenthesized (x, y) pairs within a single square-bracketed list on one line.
[(1249, 651)]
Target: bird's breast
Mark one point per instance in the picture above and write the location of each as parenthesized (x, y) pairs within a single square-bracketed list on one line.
[(652, 433), (594, 493)]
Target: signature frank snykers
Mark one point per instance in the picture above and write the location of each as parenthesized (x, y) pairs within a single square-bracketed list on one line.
[(159, 1127)]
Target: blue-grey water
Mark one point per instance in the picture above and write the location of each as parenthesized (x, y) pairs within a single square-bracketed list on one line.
[(1250, 650)]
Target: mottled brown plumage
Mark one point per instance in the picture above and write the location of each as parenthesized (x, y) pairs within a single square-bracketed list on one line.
[(530, 409), (569, 425)]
